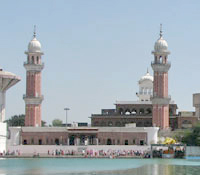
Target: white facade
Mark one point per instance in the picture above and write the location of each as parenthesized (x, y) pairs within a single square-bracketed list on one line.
[(145, 87), (3, 137)]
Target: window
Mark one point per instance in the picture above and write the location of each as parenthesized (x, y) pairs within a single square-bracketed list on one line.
[(32, 141), (25, 142), (32, 59), (118, 142), (126, 142), (47, 141), (141, 142), (40, 141)]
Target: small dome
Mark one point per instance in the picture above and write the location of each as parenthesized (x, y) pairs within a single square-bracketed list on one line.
[(161, 45), (146, 77), (34, 45)]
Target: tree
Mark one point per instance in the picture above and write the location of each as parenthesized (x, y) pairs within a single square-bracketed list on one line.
[(18, 120), (192, 137), (57, 122)]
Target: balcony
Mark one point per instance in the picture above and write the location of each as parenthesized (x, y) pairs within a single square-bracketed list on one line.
[(33, 67), (158, 66), (33, 100)]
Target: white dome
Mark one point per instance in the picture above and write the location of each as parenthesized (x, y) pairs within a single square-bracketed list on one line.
[(34, 45), (147, 77), (161, 45)]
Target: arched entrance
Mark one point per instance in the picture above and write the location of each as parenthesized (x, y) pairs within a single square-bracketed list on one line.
[(109, 142), (57, 142), (71, 140)]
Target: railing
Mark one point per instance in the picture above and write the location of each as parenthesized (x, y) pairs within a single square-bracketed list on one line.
[(26, 62), (25, 96), (161, 63)]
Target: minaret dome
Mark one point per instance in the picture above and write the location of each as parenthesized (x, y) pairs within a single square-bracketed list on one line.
[(161, 44), (34, 45)]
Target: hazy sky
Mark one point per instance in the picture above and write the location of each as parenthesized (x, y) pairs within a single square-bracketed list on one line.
[(95, 51)]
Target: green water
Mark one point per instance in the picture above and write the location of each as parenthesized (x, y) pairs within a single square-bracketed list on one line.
[(61, 166)]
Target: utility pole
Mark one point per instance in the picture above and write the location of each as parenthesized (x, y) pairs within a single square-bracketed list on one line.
[(66, 109)]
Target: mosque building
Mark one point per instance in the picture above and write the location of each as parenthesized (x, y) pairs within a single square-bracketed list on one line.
[(130, 123), (154, 106)]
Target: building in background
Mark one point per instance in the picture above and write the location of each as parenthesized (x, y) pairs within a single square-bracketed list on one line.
[(154, 106)]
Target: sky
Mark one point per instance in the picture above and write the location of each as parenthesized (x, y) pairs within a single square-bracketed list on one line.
[(96, 51)]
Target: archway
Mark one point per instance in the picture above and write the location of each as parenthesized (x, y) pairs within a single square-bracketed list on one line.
[(71, 140), (57, 142), (109, 142)]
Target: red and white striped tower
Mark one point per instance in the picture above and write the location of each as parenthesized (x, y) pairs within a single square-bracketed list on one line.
[(160, 99), (33, 97)]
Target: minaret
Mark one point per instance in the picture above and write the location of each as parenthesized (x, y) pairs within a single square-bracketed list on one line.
[(33, 97), (160, 99)]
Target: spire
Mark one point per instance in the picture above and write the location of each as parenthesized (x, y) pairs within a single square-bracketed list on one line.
[(34, 32), (147, 70), (160, 30)]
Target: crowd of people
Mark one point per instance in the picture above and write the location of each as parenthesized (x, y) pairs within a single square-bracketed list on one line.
[(100, 153)]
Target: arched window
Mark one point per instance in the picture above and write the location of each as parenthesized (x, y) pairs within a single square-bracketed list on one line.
[(126, 142), (141, 111), (149, 111), (134, 112), (25, 142), (37, 60), (57, 142), (109, 142), (121, 111), (127, 112), (32, 59)]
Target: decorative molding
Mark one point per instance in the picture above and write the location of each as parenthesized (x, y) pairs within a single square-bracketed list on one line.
[(159, 67), (33, 100), (33, 67)]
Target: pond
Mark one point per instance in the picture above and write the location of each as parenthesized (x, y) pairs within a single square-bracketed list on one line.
[(61, 166)]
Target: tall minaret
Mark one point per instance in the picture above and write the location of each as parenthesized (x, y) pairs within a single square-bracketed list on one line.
[(33, 97), (160, 99)]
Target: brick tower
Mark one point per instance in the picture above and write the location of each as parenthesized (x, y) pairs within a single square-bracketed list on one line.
[(160, 99), (33, 97)]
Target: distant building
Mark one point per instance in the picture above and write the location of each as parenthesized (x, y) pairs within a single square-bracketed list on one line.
[(128, 135), (154, 106)]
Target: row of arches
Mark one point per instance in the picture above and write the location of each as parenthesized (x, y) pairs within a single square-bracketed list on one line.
[(134, 111), (121, 124), (34, 59)]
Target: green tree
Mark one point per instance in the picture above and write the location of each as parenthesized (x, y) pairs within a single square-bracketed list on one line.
[(16, 120), (19, 120), (192, 137), (57, 122)]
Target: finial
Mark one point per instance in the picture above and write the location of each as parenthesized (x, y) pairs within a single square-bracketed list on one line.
[(160, 30), (34, 32)]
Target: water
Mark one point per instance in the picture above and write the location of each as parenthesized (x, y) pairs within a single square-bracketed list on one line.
[(75, 166)]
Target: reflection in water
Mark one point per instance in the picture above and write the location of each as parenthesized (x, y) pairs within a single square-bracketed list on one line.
[(99, 167), (154, 169)]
